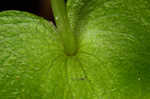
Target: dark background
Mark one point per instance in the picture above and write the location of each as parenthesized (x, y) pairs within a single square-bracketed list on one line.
[(38, 7)]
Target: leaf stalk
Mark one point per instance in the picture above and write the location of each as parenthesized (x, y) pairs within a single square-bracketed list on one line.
[(63, 26)]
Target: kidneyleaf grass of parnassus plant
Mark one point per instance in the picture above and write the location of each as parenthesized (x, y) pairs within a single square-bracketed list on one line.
[(99, 49)]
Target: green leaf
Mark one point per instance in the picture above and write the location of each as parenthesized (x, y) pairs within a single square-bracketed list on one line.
[(112, 60), (114, 36), (28, 45)]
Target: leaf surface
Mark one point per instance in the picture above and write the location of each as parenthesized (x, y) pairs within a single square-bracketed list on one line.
[(112, 60), (28, 46), (114, 38)]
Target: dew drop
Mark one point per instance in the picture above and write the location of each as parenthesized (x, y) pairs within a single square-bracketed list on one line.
[(3, 91), (32, 47), (15, 93), (107, 5), (7, 76), (139, 78), (13, 57), (23, 90), (113, 89), (56, 18), (1, 37), (12, 82), (18, 97)]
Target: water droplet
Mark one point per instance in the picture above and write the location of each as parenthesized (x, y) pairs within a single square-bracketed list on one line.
[(56, 18), (23, 90), (32, 47), (18, 97), (7, 76), (17, 77), (15, 93), (107, 4), (12, 82), (1, 37), (13, 57), (139, 78), (3, 91), (113, 89), (144, 21)]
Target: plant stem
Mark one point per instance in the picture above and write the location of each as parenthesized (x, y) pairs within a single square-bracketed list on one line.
[(63, 26)]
